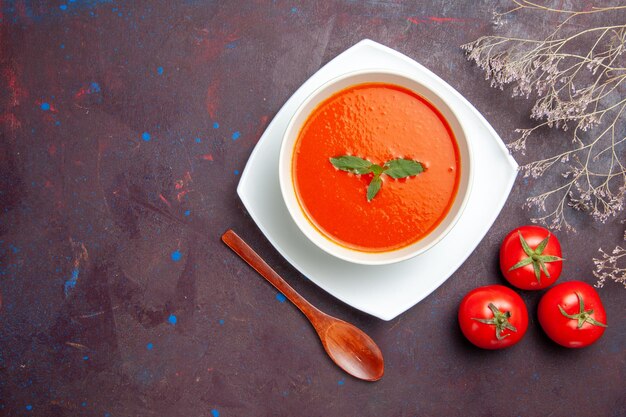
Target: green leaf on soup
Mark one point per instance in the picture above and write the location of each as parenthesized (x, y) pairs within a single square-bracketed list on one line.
[(352, 164), (402, 168), (374, 188)]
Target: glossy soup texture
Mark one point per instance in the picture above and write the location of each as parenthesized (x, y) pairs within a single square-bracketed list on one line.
[(378, 122)]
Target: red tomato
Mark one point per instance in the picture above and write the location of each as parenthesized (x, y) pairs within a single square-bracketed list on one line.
[(493, 317), (572, 314), (530, 258)]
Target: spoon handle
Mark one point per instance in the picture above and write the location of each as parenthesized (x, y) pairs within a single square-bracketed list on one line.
[(241, 248)]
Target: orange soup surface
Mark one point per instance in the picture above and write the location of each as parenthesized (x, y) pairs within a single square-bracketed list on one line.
[(378, 122)]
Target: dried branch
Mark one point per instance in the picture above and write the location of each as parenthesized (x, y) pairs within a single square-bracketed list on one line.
[(576, 77), (611, 266)]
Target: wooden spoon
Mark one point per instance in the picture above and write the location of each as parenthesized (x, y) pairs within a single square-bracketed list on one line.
[(350, 348)]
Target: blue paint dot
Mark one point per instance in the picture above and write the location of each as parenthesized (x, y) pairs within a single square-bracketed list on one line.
[(57, 123), (280, 297), (145, 136), (294, 10), (176, 256), (215, 413), (187, 212), (216, 125), (160, 70), (63, 7), (71, 283), (107, 414), (149, 346), (198, 140), (29, 407), (236, 135), (172, 319), (94, 87), (62, 46), (340, 382), (221, 322), (84, 404), (72, 1), (236, 172), (85, 358), (45, 106)]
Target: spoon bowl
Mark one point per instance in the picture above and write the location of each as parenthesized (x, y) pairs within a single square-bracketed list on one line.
[(349, 347), (352, 350)]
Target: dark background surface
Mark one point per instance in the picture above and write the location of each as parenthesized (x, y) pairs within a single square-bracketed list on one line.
[(117, 296)]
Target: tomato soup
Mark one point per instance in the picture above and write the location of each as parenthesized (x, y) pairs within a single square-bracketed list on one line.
[(378, 122)]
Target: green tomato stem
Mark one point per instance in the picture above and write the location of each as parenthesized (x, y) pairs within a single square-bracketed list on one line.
[(500, 320), (536, 257), (583, 316)]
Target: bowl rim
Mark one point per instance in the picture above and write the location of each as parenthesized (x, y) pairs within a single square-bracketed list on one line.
[(289, 194)]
